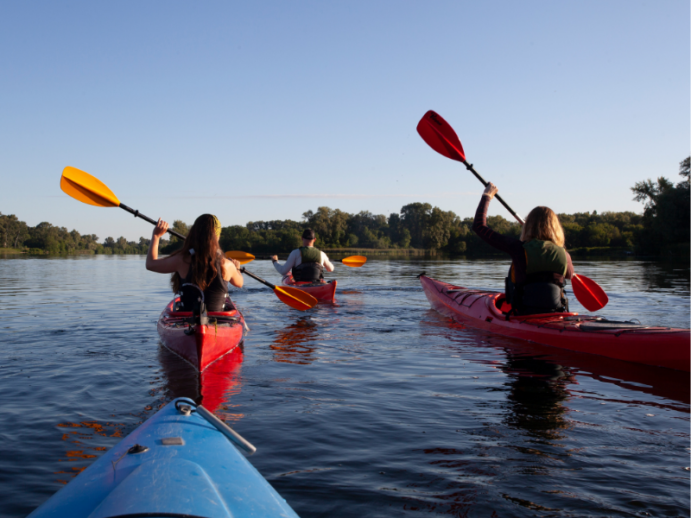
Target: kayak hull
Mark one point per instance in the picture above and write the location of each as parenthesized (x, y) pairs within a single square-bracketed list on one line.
[(200, 345), (649, 345), (189, 469), (322, 291)]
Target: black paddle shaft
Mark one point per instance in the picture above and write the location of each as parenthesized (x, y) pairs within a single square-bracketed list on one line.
[(482, 180), (138, 214), (266, 283)]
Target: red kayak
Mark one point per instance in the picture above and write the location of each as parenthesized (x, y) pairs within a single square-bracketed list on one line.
[(322, 291), (650, 345), (200, 345)]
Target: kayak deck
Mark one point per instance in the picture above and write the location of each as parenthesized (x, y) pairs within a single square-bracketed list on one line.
[(172, 465), (650, 345)]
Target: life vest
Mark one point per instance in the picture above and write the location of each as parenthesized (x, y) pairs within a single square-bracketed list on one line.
[(212, 298), (542, 291), (310, 269)]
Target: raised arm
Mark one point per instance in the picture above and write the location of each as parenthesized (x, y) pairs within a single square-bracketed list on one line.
[(168, 264), (504, 243)]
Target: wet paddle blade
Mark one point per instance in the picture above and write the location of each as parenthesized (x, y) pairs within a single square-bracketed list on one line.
[(589, 293), (87, 189), (243, 257), (354, 261), (295, 298), (440, 136)]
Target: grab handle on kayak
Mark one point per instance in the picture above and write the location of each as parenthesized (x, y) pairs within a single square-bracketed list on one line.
[(226, 430)]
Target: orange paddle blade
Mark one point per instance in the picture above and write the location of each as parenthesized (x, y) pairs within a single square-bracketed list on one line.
[(589, 293), (86, 188), (354, 261), (243, 257), (295, 297)]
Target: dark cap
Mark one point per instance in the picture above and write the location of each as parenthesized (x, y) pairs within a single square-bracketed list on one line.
[(308, 234)]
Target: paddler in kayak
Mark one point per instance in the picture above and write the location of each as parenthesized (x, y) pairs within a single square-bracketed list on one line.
[(199, 269), (307, 263), (540, 265)]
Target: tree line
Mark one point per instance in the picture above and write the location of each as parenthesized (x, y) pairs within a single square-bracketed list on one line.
[(663, 228)]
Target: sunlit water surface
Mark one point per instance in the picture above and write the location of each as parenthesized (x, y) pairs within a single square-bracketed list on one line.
[(375, 406)]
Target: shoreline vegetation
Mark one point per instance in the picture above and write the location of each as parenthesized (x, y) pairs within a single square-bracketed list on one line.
[(419, 229)]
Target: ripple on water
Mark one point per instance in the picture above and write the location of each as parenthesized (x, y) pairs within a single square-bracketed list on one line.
[(375, 406)]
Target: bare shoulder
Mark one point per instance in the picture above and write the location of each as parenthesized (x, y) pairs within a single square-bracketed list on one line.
[(228, 268)]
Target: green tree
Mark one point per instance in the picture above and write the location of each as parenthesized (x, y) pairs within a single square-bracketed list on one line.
[(665, 219)]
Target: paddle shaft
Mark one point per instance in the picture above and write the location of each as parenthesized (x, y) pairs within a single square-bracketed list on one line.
[(470, 168), (138, 214), (266, 283)]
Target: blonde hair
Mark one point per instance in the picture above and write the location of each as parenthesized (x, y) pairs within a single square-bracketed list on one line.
[(543, 224)]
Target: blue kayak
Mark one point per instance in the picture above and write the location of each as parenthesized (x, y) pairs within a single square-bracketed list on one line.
[(179, 463)]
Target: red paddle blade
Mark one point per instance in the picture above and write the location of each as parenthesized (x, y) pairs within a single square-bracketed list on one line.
[(440, 136), (589, 293)]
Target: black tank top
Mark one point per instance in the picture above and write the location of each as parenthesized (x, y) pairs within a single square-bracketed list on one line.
[(214, 295)]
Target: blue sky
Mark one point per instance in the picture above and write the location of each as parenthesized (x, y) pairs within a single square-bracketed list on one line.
[(264, 110)]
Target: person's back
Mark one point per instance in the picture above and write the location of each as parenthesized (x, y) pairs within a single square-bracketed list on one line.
[(199, 269), (213, 295), (540, 263), (307, 263)]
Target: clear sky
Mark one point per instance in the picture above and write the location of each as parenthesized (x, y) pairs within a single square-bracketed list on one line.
[(264, 110)]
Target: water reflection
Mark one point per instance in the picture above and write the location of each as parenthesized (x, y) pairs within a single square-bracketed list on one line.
[(214, 388), (537, 392), (296, 343), (663, 275), (83, 440)]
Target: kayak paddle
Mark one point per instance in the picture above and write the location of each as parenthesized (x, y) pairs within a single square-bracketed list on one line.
[(92, 191), (441, 137), (588, 292), (89, 189), (354, 261), (294, 297), (243, 257)]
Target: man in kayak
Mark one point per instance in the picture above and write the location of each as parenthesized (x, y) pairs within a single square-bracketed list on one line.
[(307, 263), (540, 265), (199, 269)]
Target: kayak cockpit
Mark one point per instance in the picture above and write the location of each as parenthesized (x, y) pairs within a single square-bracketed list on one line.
[(502, 308)]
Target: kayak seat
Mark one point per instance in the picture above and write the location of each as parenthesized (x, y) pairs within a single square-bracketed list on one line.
[(502, 305)]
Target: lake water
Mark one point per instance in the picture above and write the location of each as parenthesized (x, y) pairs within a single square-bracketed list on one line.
[(375, 406)]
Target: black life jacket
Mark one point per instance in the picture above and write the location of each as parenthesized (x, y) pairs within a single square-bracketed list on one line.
[(212, 298), (310, 269), (542, 291)]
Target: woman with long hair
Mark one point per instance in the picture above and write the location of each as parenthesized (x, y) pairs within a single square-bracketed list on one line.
[(541, 264), (199, 269)]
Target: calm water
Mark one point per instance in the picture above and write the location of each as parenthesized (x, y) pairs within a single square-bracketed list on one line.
[(376, 406)]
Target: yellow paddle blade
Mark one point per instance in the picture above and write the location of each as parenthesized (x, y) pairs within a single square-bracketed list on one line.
[(87, 189), (354, 261), (243, 257), (295, 297)]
